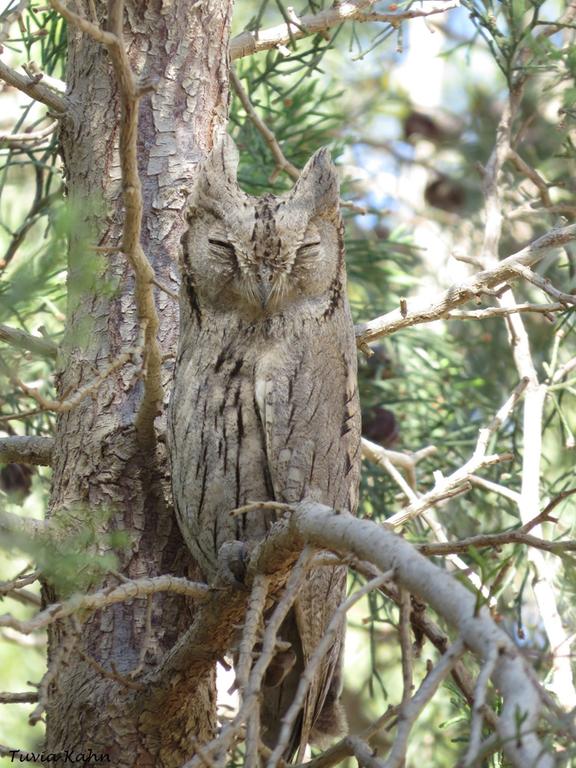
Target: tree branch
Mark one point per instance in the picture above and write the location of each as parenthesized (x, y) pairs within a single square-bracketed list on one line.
[(411, 709), (36, 90), (322, 527), (423, 310), (22, 340), (459, 479), (247, 43), (26, 450), (494, 540), (529, 502), (26, 697), (129, 590)]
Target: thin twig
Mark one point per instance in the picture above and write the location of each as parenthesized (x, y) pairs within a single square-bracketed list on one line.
[(405, 645), (479, 459), (365, 756), (488, 485), (482, 314), (567, 299), (25, 697), (410, 710), (281, 162), (64, 406), (252, 624), (480, 691), (494, 540), (29, 138)]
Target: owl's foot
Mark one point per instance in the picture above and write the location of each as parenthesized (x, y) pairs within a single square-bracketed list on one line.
[(232, 562)]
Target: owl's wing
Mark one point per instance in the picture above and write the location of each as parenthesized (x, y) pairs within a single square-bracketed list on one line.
[(310, 415)]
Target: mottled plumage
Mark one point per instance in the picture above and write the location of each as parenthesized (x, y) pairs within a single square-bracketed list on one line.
[(265, 401)]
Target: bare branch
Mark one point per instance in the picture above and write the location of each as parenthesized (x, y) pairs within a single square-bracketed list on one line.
[(22, 580), (545, 285), (493, 540), (488, 485), (22, 340), (411, 708), (532, 174), (36, 74), (23, 596), (247, 43), (10, 17), (282, 163), (26, 697), (406, 645), (423, 310), (482, 314), (83, 24), (26, 450), (389, 459), (8, 752), (479, 702), (130, 590), (36, 90), (63, 406), (322, 527), (364, 755), (16, 525), (459, 479), (29, 138), (345, 747), (251, 626)]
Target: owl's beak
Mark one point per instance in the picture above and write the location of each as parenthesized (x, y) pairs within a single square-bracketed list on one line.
[(265, 283)]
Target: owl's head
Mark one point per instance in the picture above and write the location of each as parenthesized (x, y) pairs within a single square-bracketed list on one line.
[(257, 256)]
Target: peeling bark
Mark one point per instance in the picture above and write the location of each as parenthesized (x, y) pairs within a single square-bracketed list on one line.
[(101, 473)]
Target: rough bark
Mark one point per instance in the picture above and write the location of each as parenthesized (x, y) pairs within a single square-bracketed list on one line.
[(102, 476)]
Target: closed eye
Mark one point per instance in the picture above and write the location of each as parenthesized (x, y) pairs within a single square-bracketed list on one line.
[(308, 251), (221, 247)]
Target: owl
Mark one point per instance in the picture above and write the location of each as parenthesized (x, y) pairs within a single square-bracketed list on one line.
[(265, 398)]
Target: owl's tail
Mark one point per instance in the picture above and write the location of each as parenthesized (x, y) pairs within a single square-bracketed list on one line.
[(320, 721), (279, 689)]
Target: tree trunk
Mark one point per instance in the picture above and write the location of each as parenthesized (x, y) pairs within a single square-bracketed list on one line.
[(104, 479)]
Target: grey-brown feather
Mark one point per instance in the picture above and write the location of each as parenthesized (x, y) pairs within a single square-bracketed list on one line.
[(265, 401)]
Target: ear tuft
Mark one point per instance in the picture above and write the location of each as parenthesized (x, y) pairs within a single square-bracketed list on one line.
[(216, 185), (222, 160), (318, 188)]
